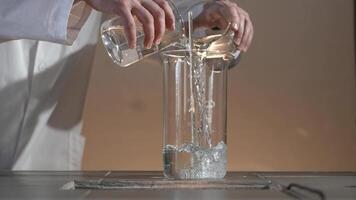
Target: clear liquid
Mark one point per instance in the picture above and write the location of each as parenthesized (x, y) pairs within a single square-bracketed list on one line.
[(190, 161), (199, 107), (117, 47), (202, 103)]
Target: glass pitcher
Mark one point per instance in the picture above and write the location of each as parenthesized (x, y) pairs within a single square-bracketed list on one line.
[(115, 43)]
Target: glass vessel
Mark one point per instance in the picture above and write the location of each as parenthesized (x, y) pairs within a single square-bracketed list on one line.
[(195, 85), (115, 43), (195, 90)]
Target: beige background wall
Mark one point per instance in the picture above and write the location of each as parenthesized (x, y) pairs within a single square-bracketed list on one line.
[(291, 103)]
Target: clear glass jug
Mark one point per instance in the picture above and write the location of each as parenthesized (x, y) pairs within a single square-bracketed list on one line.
[(115, 43)]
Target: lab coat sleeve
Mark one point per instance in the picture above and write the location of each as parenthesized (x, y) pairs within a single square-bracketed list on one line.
[(56, 21)]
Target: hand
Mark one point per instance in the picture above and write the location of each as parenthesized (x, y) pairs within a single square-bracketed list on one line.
[(154, 15), (215, 14)]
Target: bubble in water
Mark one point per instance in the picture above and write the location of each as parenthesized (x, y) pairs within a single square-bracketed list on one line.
[(194, 162)]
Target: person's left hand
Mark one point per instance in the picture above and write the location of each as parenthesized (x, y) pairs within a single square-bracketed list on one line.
[(215, 15)]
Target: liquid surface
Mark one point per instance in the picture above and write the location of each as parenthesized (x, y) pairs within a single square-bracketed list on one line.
[(190, 161)]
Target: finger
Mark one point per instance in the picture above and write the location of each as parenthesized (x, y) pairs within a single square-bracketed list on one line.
[(159, 19), (232, 10), (130, 26), (147, 22), (248, 33), (240, 31), (249, 40), (248, 30), (169, 15), (235, 17)]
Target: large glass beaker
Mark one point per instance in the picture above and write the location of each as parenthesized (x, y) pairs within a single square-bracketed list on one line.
[(195, 85)]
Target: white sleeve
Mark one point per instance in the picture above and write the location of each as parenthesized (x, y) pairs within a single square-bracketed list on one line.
[(36, 19)]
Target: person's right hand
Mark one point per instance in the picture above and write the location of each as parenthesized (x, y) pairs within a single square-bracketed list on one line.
[(155, 16), (216, 14)]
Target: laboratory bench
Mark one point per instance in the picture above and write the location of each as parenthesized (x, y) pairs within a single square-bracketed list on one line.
[(134, 185)]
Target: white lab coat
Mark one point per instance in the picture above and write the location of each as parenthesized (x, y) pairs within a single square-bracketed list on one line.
[(43, 84)]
